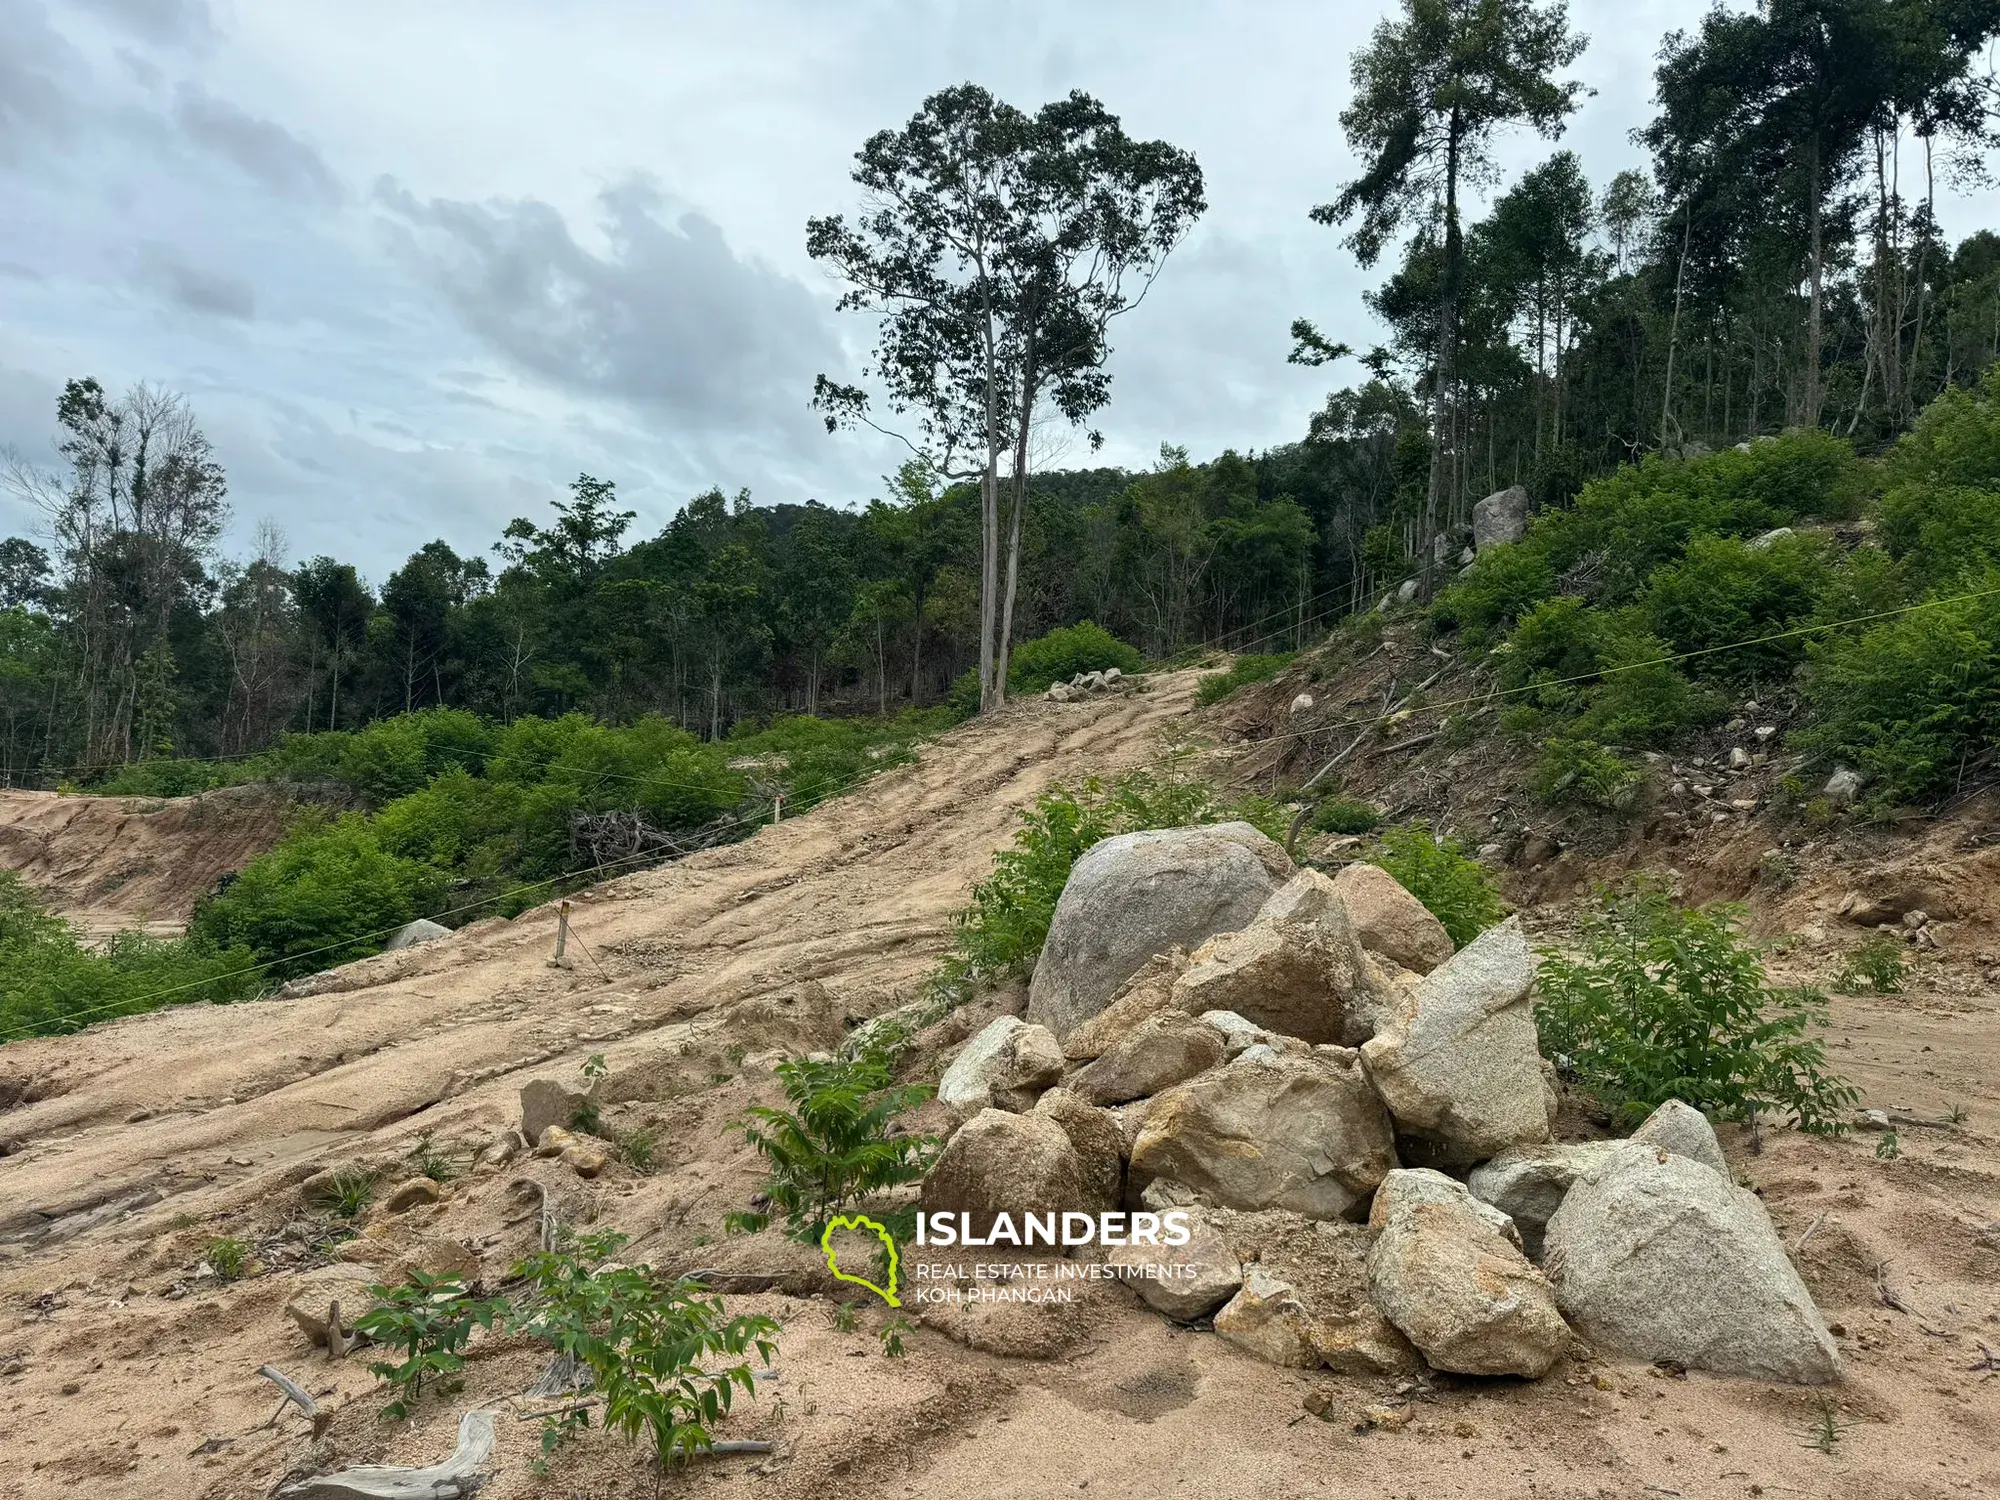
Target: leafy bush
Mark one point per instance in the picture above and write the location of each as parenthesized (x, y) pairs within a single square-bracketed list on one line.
[(1670, 1002), (1338, 815), (51, 983), (1628, 692), (1505, 583), (1245, 669), (1956, 439), (1453, 887), (1062, 653), (1941, 532), (1008, 920), (1724, 592), (1876, 965), (429, 1321), (650, 1345), (226, 1256), (1583, 772), (326, 895), (1914, 699), (833, 1145)]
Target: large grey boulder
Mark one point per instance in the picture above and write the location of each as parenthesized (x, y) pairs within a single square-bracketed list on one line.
[(1183, 1281), (1006, 1065), (1463, 1072), (1159, 1052), (999, 1162), (1459, 1291), (1656, 1256), (1297, 1132), (1685, 1131), (1297, 970), (1139, 894), (1389, 921), (1500, 517), (1528, 1183)]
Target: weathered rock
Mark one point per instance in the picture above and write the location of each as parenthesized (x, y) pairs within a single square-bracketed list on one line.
[(1528, 1183), (1005, 1066), (1842, 787), (1159, 1052), (1006, 1163), (423, 930), (1238, 1034), (506, 1146), (586, 1158), (1296, 970), (1656, 1256), (1183, 1281), (1766, 539), (1467, 1298), (1685, 1131), (1500, 517), (554, 1141), (1464, 1071), (414, 1193), (1404, 1189), (1099, 1143), (345, 1282), (1136, 895), (1304, 1133), (545, 1102), (1147, 993), (1311, 1305), (1389, 921)]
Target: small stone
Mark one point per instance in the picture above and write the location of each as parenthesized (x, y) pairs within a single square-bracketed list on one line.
[(1739, 759), (405, 1196), (1842, 787), (586, 1158), (553, 1141)]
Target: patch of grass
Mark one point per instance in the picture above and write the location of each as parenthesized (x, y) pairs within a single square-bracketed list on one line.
[(1453, 886), (1877, 965), (227, 1257), (1338, 815), (1670, 1002), (1245, 669), (637, 1147), (350, 1192), (843, 1318), (431, 1162)]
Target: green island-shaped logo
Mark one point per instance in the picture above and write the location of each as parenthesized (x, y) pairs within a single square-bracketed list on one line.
[(861, 1221)]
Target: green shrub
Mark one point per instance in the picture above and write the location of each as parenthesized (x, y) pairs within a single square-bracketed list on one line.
[(1876, 965), (226, 1256), (665, 1358), (1505, 583), (1912, 700), (1956, 439), (1585, 773), (326, 895), (833, 1146), (1454, 887), (1627, 691), (1244, 670), (429, 1321), (1062, 653), (1942, 532), (1670, 1002), (1724, 592), (1338, 815), (51, 983)]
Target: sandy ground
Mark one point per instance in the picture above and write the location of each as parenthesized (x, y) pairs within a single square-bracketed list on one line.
[(125, 1373), (112, 863)]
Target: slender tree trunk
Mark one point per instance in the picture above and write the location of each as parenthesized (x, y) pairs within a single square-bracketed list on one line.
[(1815, 335), (1674, 324)]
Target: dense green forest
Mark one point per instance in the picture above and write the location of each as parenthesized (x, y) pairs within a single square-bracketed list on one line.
[(1779, 266)]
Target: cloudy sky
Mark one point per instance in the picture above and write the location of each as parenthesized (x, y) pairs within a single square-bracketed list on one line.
[(418, 262)]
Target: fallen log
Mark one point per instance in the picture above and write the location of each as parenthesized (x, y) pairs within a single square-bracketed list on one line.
[(455, 1478), (294, 1395)]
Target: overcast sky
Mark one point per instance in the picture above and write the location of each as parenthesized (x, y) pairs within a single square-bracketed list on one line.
[(417, 264)]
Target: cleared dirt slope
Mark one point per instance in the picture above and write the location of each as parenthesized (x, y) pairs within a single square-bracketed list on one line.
[(124, 1373), (109, 863)]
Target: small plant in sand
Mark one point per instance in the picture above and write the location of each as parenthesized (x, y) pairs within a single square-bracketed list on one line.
[(833, 1146), (1826, 1428), (226, 1256), (348, 1194), (1877, 965), (429, 1321), (892, 1337), (1670, 1002), (651, 1346), (431, 1162)]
